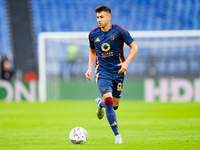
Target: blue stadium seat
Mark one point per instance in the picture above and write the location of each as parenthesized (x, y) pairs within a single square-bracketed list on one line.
[(194, 66), (161, 66), (182, 66), (172, 67)]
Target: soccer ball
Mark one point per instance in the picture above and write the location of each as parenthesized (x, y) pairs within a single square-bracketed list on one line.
[(78, 135)]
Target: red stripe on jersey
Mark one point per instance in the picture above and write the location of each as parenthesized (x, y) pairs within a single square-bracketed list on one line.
[(91, 35), (117, 26), (121, 45)]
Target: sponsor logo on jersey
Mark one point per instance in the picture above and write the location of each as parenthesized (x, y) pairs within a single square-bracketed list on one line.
[(97, 40), (112, 37), (107, 54), (105, 47)]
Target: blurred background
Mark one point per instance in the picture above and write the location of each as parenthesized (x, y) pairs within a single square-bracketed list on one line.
[(165, 68)]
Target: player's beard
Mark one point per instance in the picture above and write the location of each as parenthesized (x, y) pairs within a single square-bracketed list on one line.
[(101, 25)]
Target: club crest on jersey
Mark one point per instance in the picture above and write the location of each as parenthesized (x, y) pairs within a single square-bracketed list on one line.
[(97, 40), (105, 47), (103, 89), (112, 37)]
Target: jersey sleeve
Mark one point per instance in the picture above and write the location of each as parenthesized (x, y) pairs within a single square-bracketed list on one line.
[(126, 36), (91, 42)]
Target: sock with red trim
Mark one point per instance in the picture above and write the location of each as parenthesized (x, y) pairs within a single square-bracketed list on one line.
[(111, 116)]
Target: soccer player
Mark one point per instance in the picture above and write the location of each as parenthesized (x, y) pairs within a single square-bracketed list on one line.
[(106, 47)]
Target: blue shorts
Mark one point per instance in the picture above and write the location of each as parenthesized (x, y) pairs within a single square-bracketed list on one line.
[(113, 85)]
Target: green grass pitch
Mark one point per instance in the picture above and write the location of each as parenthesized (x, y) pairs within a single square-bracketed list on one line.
[(145, 126)]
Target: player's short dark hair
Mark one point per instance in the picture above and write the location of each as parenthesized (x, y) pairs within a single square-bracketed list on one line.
[(102, 8)]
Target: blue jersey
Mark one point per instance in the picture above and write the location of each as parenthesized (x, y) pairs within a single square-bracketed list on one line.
[(109, 49)]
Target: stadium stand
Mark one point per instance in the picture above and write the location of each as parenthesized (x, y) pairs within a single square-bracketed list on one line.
[(78, 15), (71, 15)]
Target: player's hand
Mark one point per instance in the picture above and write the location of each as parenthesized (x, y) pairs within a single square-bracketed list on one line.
[(123, 69), (87, 75)]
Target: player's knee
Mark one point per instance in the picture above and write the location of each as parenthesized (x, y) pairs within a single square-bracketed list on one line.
[(115, 107), (108, 101)]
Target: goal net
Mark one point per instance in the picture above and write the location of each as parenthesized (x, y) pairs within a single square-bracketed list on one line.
[(63, 61)]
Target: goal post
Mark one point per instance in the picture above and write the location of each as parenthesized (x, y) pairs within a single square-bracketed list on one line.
[(42, 55), (54, 49)]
